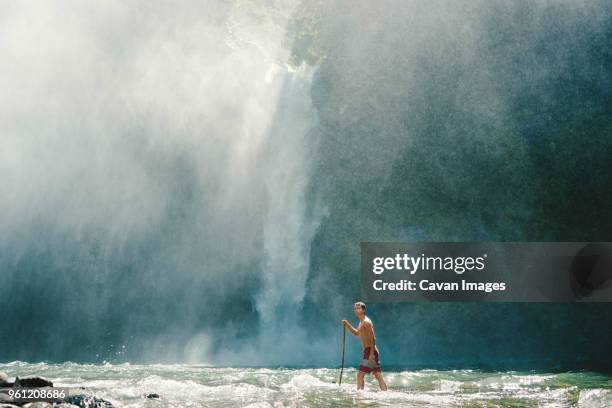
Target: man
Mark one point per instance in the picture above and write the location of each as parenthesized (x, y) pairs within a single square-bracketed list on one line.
[(371, 360)]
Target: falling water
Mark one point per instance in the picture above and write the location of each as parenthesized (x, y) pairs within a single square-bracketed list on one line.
[(288, 224), (287, 230), (165, 173)]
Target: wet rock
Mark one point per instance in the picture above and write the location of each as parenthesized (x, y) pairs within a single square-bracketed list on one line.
[(32, 382), (74, 401), (4, 398), (4, 381), (88, 401), (38, 405)]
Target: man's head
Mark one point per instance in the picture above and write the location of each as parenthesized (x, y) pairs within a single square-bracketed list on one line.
[(360, 309)]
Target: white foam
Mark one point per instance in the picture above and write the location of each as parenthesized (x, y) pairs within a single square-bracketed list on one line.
[(595, 398)]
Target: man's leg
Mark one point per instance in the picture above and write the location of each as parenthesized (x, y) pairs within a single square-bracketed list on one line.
[(360, 380), (381, 381)]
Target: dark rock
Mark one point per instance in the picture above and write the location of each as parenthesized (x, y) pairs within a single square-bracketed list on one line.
[(32, 381), (4, 398), (152, 396), (4, 380), (73, 401), (88, 401)]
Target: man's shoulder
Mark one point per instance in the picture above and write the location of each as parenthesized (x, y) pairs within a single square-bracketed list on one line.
[(367, 321)]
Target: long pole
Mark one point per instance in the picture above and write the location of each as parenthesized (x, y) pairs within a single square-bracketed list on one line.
[(343, 347)]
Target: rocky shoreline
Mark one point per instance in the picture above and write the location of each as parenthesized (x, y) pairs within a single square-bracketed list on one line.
[(80, 399)]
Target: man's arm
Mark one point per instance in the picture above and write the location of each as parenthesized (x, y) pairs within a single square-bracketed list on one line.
[(353, 330)]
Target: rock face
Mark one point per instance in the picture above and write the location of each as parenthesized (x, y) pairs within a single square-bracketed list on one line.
[(32, 381)]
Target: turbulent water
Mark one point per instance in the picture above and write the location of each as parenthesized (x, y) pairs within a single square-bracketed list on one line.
[(204, 386)]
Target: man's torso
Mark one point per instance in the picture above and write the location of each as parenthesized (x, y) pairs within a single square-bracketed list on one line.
[(367, 336)]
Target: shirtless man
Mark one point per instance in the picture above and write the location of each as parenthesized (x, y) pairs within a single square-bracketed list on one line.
[(365, 332)]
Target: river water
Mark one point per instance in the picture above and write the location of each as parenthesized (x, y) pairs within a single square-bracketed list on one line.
[(183, 385)]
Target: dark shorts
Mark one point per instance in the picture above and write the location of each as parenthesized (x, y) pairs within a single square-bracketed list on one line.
[(368, 366)]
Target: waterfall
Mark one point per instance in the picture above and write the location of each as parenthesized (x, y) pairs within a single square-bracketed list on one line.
[(287, 230), (157, 163), (289, 224)]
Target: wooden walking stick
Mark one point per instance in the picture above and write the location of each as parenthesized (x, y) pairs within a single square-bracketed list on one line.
[(343, 344)]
